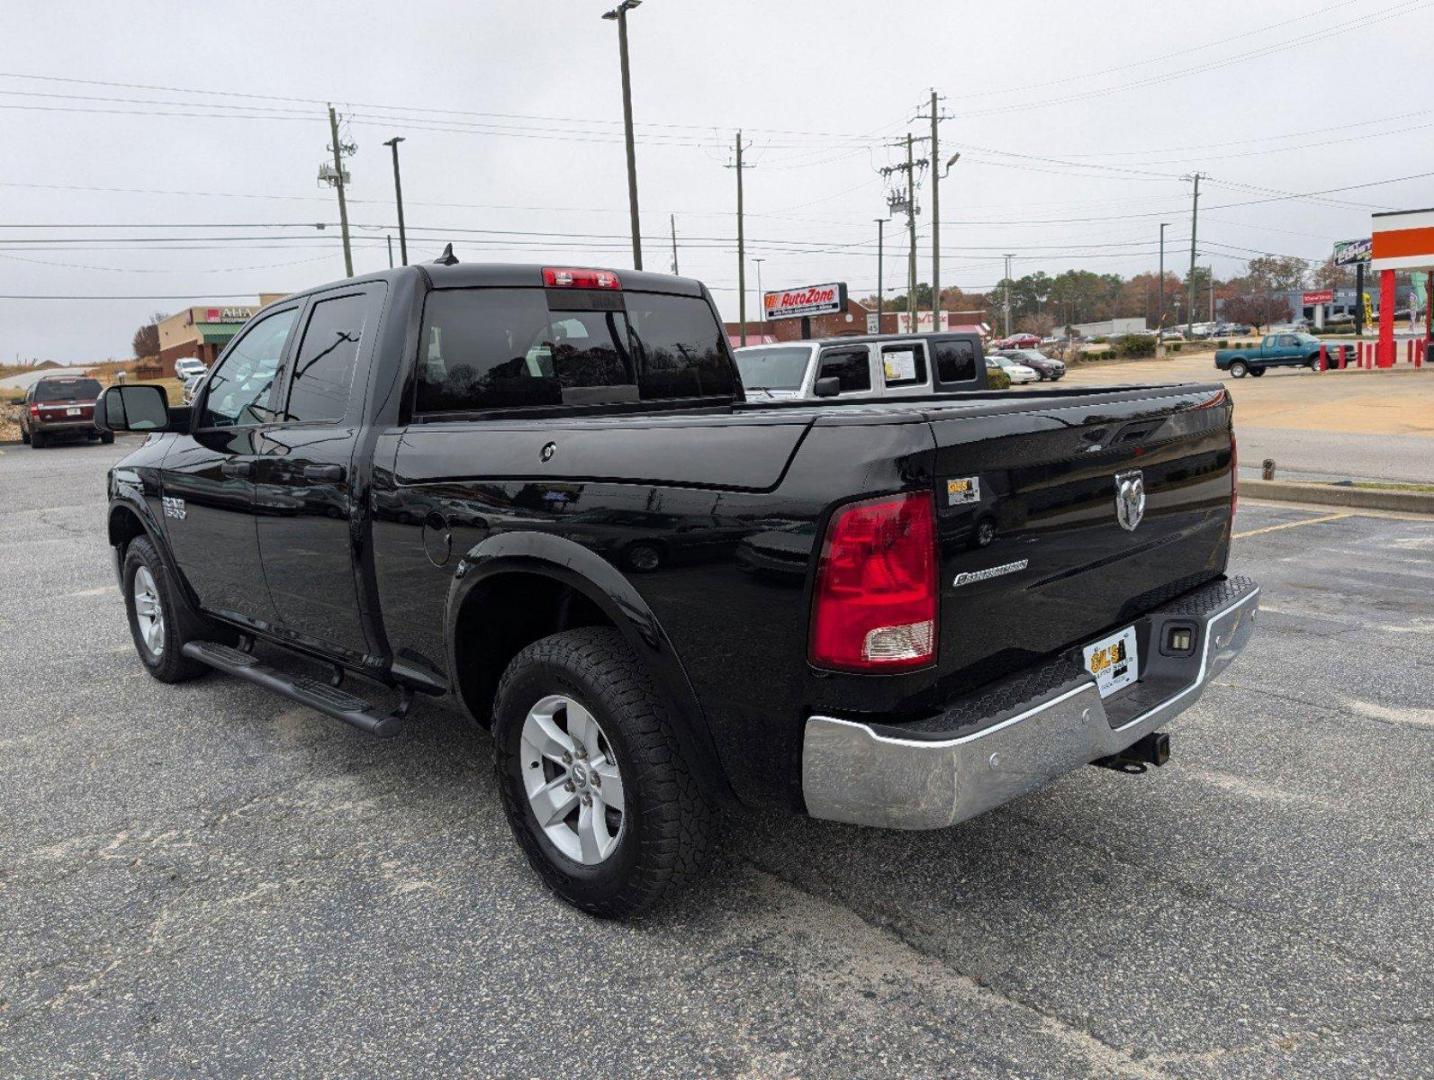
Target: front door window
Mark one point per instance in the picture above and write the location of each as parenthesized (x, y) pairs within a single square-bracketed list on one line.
[(238, 391)]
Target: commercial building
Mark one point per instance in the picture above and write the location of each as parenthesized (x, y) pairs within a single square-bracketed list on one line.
[(202, 332), (854, 319), (1107, 328)]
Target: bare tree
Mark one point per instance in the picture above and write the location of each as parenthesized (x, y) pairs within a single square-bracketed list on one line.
[(146, 339), (1258, 308)]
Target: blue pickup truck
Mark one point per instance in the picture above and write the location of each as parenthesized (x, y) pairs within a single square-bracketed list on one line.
[(1276, 350)]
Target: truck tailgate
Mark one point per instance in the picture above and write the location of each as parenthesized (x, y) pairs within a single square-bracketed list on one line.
[(1037, 555)]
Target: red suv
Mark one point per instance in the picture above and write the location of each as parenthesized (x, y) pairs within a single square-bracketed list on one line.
[(61, 405)]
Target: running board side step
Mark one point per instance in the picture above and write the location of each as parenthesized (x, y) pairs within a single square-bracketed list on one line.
[(313, 693)]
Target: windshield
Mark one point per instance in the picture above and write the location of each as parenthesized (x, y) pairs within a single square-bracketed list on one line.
[(773, 369), (69, 390), (1307, 339)]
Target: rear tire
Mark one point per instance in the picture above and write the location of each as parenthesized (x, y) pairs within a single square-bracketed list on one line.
[(107, 437), (1239, 369), (1257, 371), (652, 836), (155, 618), (37, 440)]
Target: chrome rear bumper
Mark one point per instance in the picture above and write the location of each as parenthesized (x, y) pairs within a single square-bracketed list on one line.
[(854, 773)]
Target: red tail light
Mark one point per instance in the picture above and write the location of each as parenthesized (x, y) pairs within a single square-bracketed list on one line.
[(1234, 474), (34, 410), (569, 277), (875, 603)]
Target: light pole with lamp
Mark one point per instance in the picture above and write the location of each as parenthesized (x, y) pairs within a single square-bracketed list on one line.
[(398, 195), (619, 14)]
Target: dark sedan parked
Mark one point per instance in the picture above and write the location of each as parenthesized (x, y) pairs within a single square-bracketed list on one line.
[(59, 406), (1043, 365)]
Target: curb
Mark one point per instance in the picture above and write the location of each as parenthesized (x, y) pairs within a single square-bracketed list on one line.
[(1412, 502)]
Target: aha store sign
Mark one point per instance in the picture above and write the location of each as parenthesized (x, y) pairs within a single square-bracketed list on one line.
[(829, 299)]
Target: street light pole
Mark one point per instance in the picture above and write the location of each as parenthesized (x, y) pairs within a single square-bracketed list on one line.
[(619, 13), (761, 300), (398, 194)]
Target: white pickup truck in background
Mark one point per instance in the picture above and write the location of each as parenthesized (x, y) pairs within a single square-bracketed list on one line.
[(876, 366)]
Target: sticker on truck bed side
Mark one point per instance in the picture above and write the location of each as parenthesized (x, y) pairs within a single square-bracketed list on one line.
[(965, 490)]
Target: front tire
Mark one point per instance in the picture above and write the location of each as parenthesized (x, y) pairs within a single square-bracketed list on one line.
[(155, 621), (592, 778)]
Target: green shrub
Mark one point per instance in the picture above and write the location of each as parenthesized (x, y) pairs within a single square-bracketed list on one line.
[(997, 379), (1099, 340), (1222, 344), (1133, 345), (1175, 346)]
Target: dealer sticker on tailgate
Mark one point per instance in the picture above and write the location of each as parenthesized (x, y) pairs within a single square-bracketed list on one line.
[(1113, 661)]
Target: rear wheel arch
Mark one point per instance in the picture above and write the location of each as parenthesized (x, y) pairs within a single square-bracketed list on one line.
[(515, 589)]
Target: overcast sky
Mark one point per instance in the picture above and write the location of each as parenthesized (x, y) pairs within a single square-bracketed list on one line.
[(1075, 123)]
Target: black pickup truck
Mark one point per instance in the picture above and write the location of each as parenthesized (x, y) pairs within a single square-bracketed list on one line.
[(538, 494)]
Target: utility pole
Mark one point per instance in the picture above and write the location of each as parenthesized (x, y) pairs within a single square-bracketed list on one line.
[(1190, 283), (760, 297), (398, 194), (1160, 305), (619, 14), (935, 117), (1211, 271), (389, 238), (880, 291), (672, 220), (1007, 304), (741, 248), (339, 152), (911, 228), (904, 199)]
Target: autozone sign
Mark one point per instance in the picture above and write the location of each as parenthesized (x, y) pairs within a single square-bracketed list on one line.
[(806, 300), (1321, 296)]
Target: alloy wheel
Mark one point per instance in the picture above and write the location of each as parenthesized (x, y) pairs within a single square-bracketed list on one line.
[(148, 611), (572, 779)]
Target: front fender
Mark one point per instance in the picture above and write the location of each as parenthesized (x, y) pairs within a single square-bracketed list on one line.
[(599, 581)]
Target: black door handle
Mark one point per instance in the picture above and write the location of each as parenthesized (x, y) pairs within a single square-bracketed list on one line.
[(333, 473), (240, 468)]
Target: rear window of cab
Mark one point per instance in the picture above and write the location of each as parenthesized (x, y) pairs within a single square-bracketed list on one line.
[(505, 348)]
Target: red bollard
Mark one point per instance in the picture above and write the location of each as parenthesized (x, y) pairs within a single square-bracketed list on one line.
[(1323, 358), (1343, 356)]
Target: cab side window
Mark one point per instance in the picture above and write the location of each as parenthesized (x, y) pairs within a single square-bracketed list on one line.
[(238, 389), (903, 365), (1287, 341), (955, 360), (851, 368), (326, 360)]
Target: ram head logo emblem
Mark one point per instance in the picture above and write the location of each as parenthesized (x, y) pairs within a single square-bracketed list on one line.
[(1129, 498)]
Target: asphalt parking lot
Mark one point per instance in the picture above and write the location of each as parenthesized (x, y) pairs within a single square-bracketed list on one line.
[(205, 880)]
